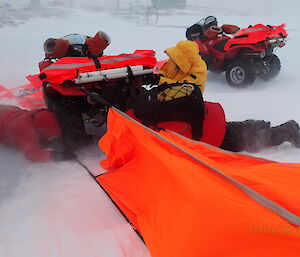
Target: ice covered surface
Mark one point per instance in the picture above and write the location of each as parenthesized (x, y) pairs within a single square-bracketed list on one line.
[(56, 209)]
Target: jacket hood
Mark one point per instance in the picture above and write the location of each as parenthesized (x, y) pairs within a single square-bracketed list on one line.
[(183, 54)]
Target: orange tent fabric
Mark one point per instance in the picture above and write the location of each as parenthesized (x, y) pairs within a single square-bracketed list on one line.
[(186, 197)]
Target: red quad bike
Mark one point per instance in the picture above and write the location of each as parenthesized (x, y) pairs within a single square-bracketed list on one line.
[(248, 54), (70, 84)]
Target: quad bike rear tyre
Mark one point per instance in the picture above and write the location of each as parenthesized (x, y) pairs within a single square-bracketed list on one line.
[(271, 67), (240, 74)]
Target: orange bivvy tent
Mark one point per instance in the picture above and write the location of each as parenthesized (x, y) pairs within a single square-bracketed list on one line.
[(189, 199)]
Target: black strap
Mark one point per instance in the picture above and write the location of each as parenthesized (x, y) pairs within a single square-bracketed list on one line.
[(129, 71), (166, 85), (42, 76), (97, 62), (193, 76)]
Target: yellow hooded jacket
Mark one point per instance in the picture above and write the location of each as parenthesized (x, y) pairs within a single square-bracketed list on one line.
[(184, 65)]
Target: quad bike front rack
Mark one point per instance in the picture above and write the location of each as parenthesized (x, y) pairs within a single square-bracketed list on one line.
[(116, 73)]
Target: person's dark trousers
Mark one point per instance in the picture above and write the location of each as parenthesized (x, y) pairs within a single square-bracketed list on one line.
[(187, 109), (255, 135)]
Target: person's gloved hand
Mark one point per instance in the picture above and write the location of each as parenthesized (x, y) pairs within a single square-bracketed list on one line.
[(151, 79), (56, 144), (63, 156)]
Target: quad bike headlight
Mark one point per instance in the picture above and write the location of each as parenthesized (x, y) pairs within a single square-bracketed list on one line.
[(281, 42), (274, 42)]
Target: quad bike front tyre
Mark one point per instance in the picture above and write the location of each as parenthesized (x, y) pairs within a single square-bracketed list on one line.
[(271, 67), (70, 119), (240, 74)]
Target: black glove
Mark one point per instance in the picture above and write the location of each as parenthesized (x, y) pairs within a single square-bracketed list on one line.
[(151, 78), (56, 144), (63, 156)]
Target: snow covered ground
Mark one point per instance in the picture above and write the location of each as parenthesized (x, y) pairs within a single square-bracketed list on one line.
[(56, 209)]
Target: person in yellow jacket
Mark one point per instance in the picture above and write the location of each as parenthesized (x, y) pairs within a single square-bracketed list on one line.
[(184, 65), (178, 95)]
